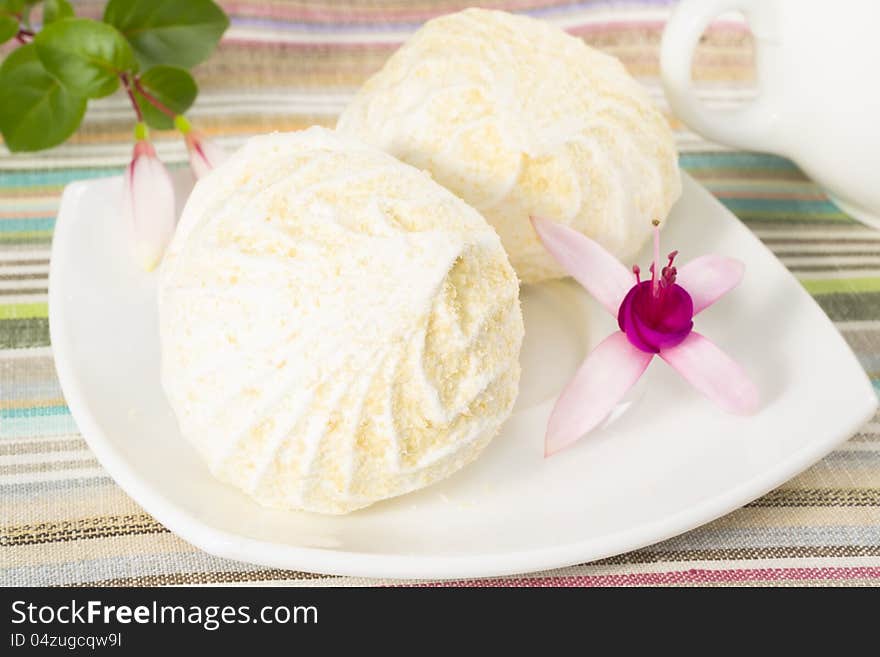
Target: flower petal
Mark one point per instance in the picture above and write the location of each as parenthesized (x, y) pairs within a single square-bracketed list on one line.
[(713, 373), (204, 155), (652, 323), (708, 278), (602, 380), (591, 265), (148, 206)]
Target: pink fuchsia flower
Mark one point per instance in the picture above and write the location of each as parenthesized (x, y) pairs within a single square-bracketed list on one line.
[(655, 318), (148, 204), (204, 155)]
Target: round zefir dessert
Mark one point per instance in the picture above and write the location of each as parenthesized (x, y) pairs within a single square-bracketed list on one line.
[(336, 327), (519, 118)]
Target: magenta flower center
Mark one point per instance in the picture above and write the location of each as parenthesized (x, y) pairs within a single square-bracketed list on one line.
[(656, 314)]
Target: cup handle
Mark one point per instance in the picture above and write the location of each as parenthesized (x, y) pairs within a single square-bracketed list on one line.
[(753, 127)]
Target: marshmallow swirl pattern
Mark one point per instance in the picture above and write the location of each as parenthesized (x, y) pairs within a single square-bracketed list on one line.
[(519, 118), (336, 328)]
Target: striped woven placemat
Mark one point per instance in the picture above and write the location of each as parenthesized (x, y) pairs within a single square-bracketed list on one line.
[(287, 65)]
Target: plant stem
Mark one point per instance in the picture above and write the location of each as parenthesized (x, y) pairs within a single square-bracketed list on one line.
[(137, 110), (155, 102), (23, 36)]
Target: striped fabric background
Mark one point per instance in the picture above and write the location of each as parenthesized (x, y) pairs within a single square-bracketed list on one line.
[(287, 65)]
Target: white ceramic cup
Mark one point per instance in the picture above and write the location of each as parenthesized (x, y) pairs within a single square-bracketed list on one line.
[(818, 69)]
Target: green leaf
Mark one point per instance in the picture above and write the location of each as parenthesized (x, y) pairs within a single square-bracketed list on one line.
[(174, 32), (85, 55), (11, 7), (55, 10), (173, 87), (10, 10), (8, 27), (36, 112)]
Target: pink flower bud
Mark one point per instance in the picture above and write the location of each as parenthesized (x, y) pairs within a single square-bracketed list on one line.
[(148, 205), (204, 155)]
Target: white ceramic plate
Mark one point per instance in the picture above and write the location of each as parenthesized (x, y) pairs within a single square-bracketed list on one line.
[(671, 462)]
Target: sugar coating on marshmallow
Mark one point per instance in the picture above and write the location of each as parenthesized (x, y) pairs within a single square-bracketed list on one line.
[(336, 328), (519, 118)]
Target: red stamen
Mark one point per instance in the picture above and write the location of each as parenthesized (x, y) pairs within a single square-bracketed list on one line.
[(638, 273), (655, 267), (669, 271)]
